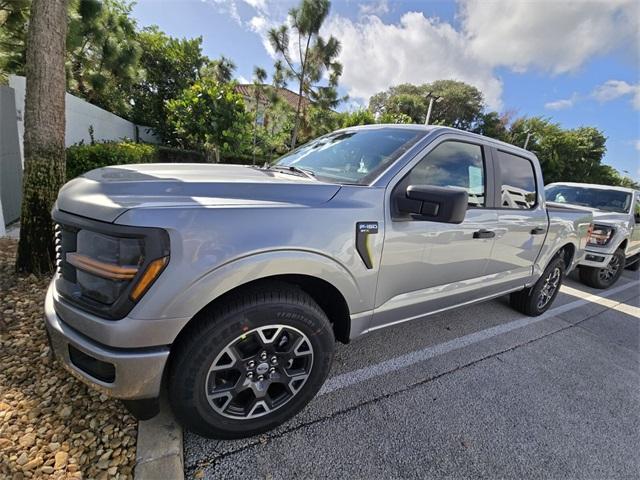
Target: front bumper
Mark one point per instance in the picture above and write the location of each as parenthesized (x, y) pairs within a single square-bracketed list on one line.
[(596, 259), (138, 372)]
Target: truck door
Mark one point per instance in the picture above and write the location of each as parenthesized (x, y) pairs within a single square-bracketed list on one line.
[(522, 218), (426, 265)]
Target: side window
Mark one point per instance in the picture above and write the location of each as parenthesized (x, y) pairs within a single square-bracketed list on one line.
[(518, 181), (452, 164)]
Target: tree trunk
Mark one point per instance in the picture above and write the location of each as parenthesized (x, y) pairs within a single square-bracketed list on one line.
[(296, 125), (44, 119)]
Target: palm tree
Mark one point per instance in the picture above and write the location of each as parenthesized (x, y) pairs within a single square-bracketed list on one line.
[(314, 54), (44, 121), (259, 76), (221, 70)]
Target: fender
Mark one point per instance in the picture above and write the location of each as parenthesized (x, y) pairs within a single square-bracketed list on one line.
[(240, 271)]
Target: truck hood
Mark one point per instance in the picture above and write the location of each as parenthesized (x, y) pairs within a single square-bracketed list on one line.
[(106, 193)]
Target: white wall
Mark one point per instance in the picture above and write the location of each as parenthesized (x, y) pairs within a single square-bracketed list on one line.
[(80, 115)]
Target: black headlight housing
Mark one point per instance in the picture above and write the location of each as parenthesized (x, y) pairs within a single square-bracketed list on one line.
[(600, 235), (105, 268)]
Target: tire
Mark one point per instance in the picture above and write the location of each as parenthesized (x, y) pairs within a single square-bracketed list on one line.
[(221, 385), (537, 299), (604, 277)]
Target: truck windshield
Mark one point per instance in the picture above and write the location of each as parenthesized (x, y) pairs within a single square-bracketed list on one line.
[(600, 199), (352, 157)]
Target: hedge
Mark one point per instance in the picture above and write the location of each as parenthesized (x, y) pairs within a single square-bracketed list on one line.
[(82, 158)]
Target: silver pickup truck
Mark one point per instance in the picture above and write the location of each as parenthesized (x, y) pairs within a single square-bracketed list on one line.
[(615, 241), (229, 284)]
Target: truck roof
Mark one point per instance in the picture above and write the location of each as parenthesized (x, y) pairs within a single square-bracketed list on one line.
[(442, 129), (593, 185)]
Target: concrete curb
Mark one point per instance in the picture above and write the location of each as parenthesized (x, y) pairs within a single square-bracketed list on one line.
[(159, 447)]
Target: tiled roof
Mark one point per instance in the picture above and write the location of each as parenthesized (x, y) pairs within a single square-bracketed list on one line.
[(287, 95)]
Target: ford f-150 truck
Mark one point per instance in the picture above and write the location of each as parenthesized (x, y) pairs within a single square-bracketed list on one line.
[(230, 284), (615, 240)]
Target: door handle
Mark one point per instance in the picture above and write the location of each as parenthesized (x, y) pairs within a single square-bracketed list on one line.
[(538, 231), (484, 234)]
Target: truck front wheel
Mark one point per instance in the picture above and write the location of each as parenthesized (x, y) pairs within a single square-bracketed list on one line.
[(606, 276), (537, 299), (250, 363)]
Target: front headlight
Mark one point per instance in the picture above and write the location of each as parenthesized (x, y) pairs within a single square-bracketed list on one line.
[(104, 268), (600, 235), (107, 267)]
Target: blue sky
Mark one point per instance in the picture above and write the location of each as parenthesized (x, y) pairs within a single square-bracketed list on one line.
[(575, 62)]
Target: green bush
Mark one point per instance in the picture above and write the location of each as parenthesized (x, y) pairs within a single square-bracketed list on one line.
[(82, 158)]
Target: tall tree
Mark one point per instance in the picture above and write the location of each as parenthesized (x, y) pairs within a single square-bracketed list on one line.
[(259, 76), (315, 56), (461, 105), (44, 152), (171, 65), (220, 70), (103, 53), (14, 15)]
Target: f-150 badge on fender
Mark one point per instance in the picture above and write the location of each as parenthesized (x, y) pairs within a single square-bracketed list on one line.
[(363, 230)]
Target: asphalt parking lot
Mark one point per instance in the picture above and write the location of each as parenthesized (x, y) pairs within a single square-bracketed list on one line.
[(480, 391)]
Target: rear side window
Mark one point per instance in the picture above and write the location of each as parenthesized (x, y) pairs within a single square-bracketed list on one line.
[(452, 164), (518, 182)]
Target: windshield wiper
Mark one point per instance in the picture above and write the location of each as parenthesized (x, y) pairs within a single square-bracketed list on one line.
[(293, 169)]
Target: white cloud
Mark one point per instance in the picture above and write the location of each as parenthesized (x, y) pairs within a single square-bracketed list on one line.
[(229, 7), (612, 89), (257, 4), (554, 36), (261, 26), (637, 144), (243, 80), (418, 50), (561, 104), (374, 7)]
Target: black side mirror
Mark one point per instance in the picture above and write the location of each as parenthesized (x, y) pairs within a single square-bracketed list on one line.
[(434, 204)]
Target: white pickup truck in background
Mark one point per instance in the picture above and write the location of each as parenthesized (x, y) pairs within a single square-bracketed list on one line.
[(615, 240)]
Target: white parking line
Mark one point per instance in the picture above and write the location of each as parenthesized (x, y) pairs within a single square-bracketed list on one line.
[(605, 302), (358, 376)]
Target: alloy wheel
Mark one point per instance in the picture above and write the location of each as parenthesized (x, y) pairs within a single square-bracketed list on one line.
[(609, 272), (549, 287), (259, 372)]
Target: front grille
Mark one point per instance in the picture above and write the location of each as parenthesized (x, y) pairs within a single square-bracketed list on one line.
[(57, 239), (65, 241)]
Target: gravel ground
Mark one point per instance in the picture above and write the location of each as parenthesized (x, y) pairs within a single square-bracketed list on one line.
[(51, 425)]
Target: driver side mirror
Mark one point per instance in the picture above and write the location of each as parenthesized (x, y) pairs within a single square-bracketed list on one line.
[(434, 204)]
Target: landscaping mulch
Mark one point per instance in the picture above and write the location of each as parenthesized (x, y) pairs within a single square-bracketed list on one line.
[(51, 425)]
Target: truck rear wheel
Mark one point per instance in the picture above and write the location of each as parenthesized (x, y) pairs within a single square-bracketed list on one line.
[(537, 299), (606, 276), (250, 363)]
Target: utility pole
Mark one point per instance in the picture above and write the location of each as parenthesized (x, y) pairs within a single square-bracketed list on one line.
[(526, 142), (432, 98)]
